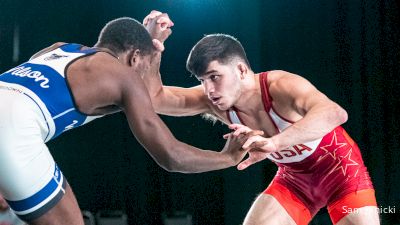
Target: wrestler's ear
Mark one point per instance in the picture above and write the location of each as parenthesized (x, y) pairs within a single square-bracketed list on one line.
[(242, 69), (133, 56)]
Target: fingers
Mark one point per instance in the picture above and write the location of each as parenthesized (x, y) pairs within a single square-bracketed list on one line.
[(241, 130), (237, 137), (253, 140), (248, 162), (235, 126), (163, 23), (226, 136), (247, 132), (255, 132), (258, 144), (163, 19), (153, 14), (242, 135)]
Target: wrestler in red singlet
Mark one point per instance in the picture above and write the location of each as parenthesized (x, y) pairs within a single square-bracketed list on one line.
[(325, 172)]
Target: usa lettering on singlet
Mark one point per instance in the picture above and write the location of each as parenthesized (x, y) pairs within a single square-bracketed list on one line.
[(43, 80), (294, 153)]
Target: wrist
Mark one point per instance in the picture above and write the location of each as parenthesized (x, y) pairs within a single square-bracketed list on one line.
[(276, 141), (227, 159), (158, 45)]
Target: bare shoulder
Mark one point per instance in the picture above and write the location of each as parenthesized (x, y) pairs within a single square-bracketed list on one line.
[(283, 80), (286, 87), (278, 76), (121, 82), (101, 61), (106, 70), (48, 49), (289, 87), (291, 94), (58, 44), (105, 76)]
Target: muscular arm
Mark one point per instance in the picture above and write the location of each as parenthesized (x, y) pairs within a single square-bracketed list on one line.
[(175, 101), (168, 100), (116, 85), (318, 114), (156, 138), (178, 101)]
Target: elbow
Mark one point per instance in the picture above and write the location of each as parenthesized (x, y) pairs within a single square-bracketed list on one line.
[(178, 161), (345, 116), (340, 115), (169, 165), (170, 160), (156, 100), (156, 94), (174, 166)]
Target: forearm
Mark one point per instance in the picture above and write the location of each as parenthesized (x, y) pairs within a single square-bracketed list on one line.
[(152, 80), (162, 103), (176, 156), (314, 125), (175, 101), (188, 159), (155, 88)]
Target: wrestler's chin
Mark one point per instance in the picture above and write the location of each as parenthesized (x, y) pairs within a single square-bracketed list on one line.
[(223, 107)]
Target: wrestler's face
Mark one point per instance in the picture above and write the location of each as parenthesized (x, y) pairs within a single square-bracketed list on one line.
[(222, 84)]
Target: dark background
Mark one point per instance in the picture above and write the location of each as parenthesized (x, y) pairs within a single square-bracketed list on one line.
[(348, 49)]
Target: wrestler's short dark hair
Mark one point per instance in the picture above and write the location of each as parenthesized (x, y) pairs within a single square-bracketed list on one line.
[(123, 34), (220, 47)]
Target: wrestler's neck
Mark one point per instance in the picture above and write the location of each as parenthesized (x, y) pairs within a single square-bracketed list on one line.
[(250, 97)]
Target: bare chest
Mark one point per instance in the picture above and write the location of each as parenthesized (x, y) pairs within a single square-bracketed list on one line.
[(258, 121)]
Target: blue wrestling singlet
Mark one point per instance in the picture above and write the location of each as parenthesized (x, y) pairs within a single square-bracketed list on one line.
[(43, 80), (36, 105)]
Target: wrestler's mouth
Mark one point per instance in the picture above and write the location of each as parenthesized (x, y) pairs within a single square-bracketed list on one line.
[(215, 100)]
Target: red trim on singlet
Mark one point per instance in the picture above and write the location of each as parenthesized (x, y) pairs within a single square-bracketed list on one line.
[(290, 202), (266, 97), (265, 107), (265, 92)]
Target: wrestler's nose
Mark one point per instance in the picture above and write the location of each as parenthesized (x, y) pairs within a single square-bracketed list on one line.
[(209, 87)]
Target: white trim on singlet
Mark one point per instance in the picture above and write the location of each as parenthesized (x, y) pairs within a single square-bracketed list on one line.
[(46, 114)]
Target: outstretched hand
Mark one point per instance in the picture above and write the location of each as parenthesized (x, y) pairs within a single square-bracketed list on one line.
[(234, 143), (158, 25), (257, 146)]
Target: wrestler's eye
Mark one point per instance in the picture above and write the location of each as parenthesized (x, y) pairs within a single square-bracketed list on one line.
[(214, 77)]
